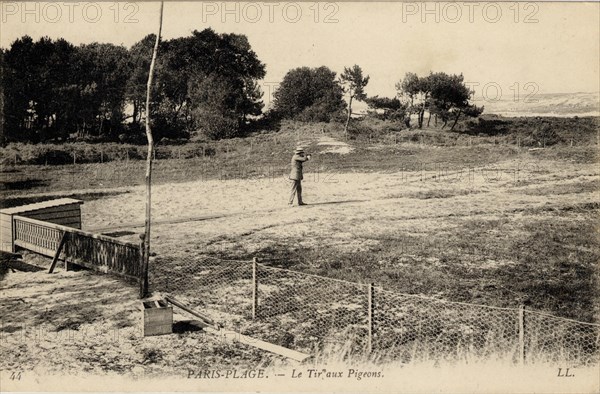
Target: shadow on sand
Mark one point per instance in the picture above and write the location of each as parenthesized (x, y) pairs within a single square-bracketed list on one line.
[(333, 202)]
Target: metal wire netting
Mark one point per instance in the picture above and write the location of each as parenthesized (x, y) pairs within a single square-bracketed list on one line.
[(554, 339), (415, 328), (312, 313), (209, 284), (313, 310)]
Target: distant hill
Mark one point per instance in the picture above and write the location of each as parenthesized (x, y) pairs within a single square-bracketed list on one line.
[(552, 104), (549, 104)]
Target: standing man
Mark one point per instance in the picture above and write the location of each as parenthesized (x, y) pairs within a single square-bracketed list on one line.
[(296, 175)]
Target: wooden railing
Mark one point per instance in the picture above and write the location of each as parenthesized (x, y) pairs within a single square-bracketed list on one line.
[(93, 251)]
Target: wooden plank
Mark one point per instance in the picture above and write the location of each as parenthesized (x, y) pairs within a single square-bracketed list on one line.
[(58, 250), (5, 232), (68, 222), (158, 321), (57, 209), (177, 303), (6, 246), (6, 221), (96, 252), (79, 221), (41, 205), (35, 248), (99, 268), (161, 329), (75, 231), (233, 337), (49, 217), (143, 266)]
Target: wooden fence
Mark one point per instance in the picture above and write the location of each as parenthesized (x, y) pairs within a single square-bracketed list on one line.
[(94, 251)]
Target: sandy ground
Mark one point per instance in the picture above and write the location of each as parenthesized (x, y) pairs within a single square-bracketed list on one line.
[(78, 331), (81, 331), (82, 323), (334, 146), (254, 212)]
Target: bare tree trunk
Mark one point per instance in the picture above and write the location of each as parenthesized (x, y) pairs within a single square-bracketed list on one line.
[(429, 119), (348, 117), (135, 111), (149, 156), (422, 115), (456, 120)]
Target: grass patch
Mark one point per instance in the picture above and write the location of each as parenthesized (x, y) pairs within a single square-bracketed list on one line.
[(28, 168), (548, 264), (440, 193), (569, 188)]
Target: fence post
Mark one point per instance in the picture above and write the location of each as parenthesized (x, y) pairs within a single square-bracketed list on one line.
[(61, 244), (521, 316), (67, 265), (254, 289), (370, 310), (144, 270)]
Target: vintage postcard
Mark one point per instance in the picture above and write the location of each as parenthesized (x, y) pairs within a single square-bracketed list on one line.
[(300, 197)]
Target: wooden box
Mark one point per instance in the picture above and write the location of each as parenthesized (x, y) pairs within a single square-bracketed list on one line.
[(158, 318)]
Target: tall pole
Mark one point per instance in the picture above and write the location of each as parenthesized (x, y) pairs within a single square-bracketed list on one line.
[(150, 139)]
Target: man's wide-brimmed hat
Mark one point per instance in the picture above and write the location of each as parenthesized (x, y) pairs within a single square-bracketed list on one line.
[(299, 150)]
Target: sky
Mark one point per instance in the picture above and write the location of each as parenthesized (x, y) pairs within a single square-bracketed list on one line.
[(505, 50)]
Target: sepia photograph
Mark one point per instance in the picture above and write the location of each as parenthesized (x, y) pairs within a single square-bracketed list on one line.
[(369, 197)]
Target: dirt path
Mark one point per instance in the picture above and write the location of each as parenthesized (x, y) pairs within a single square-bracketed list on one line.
[(334, 146)]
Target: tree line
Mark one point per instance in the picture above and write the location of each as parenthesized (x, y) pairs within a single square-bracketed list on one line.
[(53, 90), (206, 82), (317, 95)]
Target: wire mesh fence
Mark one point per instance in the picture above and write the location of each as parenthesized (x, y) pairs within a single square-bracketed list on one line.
[(317, 314), (555, 339), (415, 328), (312, 310), (213, 285)]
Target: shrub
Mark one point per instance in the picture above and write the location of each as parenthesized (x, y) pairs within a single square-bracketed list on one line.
[(217, 126)]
